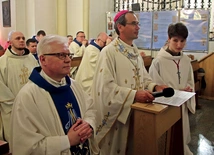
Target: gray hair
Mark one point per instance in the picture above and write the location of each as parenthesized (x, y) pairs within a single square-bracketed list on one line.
[(10, 35), (46, 44)]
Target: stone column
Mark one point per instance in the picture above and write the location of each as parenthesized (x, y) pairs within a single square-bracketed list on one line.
[(86, 17), (62, 17)]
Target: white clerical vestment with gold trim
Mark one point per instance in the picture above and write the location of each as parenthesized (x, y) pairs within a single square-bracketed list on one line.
[(119, 74), (14, 73)]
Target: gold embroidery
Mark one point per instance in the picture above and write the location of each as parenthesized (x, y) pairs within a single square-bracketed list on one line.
[(104, 122), (69, 106), (120, 48), (24, 76), (138, 84), (133, 57)]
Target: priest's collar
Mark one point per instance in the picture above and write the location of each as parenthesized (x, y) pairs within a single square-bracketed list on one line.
[(45, 82), (173, 53), (125, 43), (51, 81), (93, 42), (25, 51), (79, 43)]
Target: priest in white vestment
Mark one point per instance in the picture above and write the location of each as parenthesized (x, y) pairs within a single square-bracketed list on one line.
[(173, 68), (87, 66), (77, 48), (120, 80), (52, 115), (16, 66)]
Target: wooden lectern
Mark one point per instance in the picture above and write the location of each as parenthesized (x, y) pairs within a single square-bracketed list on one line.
[(157, 129), (4, 148)]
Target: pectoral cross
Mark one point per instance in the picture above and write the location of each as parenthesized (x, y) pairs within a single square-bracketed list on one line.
[(178, 72), (179, 76)]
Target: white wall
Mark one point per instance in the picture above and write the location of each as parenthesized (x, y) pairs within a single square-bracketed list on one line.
[(46, 16), (30, 18), (20, 15), (74, 16), (97, 16)]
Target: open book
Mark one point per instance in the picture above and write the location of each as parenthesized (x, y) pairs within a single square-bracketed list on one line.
[(177, 99)]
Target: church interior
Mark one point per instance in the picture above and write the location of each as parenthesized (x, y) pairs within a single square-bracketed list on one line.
[(67, 17)]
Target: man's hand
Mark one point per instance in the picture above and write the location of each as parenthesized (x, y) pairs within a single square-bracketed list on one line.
[(79, 132), (142, 54), (188, 89), (143, 96), (108, 41), (73, 135), (159, 88), (84, 129), (85, 42)]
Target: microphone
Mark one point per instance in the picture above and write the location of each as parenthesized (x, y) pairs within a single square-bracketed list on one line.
[(167, 92)]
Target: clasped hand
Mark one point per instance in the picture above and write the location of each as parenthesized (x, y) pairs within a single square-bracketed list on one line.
[(79, 132)]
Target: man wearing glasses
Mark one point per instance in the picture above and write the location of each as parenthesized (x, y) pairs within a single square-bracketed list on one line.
[(119, 81), (77, 48), (86, 69), (52, 114)]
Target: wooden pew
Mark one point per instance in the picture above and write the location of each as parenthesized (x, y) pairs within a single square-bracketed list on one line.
[(195, 67), (75, 61), (147, 62), (207, 63)]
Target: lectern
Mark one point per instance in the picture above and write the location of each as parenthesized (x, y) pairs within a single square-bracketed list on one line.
[(157, 129), (4, 148)]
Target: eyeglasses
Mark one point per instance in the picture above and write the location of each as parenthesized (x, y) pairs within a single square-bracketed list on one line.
[(134, 23), (61, 56), (81, 36), (104, 42)]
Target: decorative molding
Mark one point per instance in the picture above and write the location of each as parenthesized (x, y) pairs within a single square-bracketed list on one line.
[(6, 13)]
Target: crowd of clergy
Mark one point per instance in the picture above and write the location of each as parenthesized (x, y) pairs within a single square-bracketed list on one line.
[(48, 107)]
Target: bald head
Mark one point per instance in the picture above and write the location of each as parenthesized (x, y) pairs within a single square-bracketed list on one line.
[(17, 41), (14, 34), (102, 35), (102, 39)]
